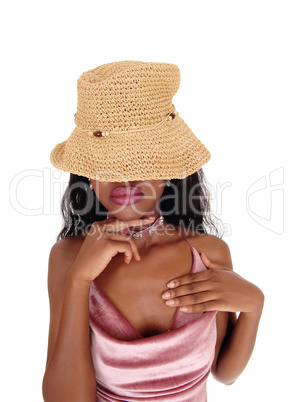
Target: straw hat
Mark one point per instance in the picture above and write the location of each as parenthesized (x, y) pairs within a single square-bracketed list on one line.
[(127, 127)]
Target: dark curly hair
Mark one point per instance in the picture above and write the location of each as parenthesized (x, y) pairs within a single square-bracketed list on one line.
[(80, 207)]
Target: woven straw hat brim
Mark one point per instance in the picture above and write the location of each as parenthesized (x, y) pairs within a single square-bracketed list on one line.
[(171, 151)]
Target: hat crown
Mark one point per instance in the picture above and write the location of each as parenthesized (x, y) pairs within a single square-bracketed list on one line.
[(126, 95)]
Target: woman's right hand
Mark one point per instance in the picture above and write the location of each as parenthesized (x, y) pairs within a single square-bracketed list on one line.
[(104, 240)]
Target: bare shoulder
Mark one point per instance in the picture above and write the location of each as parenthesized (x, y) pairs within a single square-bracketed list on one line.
[(214, 247), (61, 258), (65, 251)]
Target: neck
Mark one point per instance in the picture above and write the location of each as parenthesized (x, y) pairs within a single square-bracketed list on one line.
[(137, 233), (148, 239)]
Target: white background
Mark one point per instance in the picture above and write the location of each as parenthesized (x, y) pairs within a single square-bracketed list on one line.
[(235, 94)]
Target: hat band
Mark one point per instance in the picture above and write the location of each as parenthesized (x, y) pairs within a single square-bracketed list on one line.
[(170, 116)]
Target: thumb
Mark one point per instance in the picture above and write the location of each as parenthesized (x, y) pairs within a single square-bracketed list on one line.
[(206, 260), (210, 264)]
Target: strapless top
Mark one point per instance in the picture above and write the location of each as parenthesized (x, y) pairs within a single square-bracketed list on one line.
[(171, 366)]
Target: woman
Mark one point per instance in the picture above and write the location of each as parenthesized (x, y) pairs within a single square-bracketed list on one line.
[(143, 301)]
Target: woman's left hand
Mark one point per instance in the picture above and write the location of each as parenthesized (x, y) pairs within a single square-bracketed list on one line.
[(217, 288)]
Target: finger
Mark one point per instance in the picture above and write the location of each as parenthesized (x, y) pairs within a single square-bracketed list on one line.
[(211, 264), (122, 247), (190, 288), (186, 279), (123, 237), (211, 305), (195, 298), (117, 225)]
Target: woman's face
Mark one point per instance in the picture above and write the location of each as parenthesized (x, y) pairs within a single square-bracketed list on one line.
[(129, 200)]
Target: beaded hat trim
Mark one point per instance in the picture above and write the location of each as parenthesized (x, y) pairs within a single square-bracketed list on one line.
[(170, 116)]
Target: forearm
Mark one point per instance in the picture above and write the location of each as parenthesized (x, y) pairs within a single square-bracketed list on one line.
[(69, 374), (237, 348)]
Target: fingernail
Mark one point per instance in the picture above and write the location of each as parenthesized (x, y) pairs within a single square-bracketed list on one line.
[(183, 309), (166, 295), (170, 285), (170, 302)]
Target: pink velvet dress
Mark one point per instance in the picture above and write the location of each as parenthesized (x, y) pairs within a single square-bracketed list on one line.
[(172, 366)]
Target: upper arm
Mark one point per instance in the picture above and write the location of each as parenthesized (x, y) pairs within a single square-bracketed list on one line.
[(61, 259)]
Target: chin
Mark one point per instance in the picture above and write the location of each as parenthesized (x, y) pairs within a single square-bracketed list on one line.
[(128, 216)]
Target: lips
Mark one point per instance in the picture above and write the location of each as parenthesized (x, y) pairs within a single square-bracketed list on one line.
[(125, 191)]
